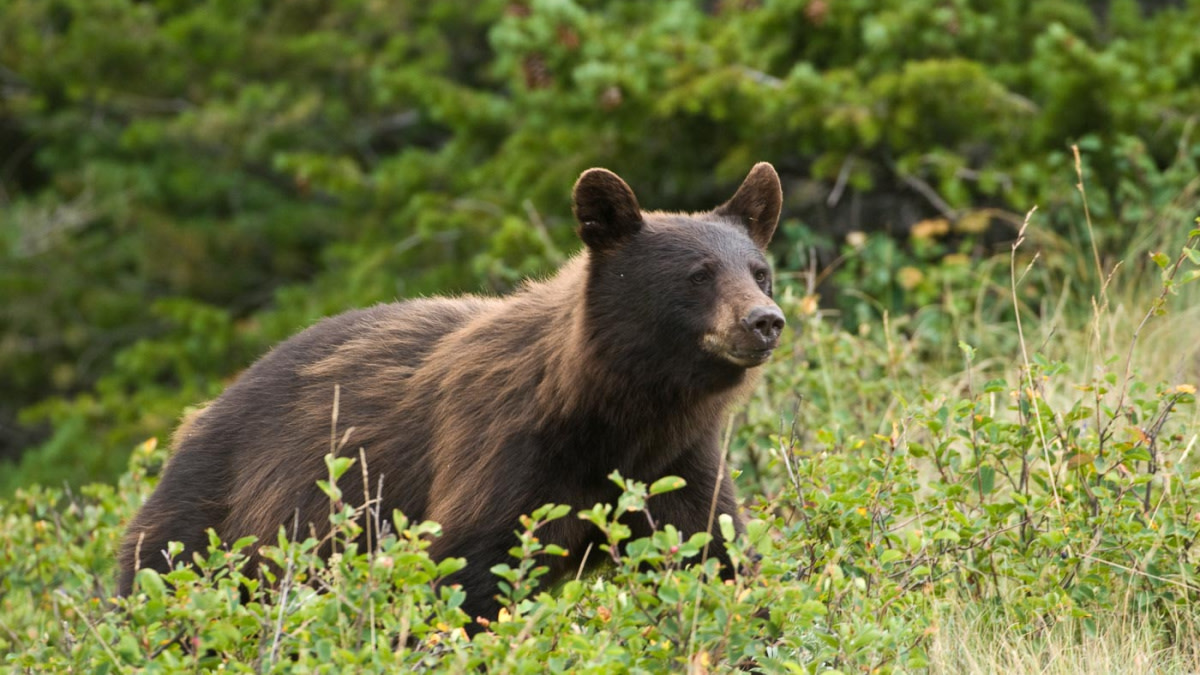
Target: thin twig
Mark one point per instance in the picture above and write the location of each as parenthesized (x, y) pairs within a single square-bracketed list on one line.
[(712, 512), (92, 629), (1154, 307), (1037, 413), (839, 186), (583, 562), (553, 253), (933, 197), (284, 590), (1087, 217), (1182, 584)]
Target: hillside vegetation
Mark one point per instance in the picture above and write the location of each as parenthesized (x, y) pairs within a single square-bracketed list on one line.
[(1036, 504), (185, 184), (975, 451)]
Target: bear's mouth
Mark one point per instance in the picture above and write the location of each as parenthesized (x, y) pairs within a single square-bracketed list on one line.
[(748, 358), (743, 357)]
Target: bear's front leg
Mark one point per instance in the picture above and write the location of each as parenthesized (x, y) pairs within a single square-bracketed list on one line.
[(489, 544), (690, 508), (482, 550)]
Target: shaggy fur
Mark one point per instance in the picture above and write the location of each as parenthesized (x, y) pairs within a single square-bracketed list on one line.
[(473, 411)]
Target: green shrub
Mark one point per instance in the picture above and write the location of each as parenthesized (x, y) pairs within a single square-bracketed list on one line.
[(950, 435), (1036, 493)]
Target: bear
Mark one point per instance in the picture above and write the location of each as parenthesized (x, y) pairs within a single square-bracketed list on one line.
[(472, 411)]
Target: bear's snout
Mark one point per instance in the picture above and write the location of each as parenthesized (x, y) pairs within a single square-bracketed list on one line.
[(765, 323), (749, 341)]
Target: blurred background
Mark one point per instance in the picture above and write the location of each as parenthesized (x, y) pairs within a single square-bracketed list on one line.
[(185, 183)]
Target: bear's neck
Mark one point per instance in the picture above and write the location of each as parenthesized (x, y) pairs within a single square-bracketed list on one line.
[(603, 367)]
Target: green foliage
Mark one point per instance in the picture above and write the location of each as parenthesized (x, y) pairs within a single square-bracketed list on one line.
[(1013, 434), (193, 182), (1030, 490)]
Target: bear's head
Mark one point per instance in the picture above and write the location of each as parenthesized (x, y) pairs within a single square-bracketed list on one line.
[(680, 295)]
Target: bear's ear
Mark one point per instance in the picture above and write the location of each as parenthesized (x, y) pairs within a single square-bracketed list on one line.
[(606, 209), (757, 203)]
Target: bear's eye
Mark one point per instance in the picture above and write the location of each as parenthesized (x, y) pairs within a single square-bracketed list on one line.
[(700, 277), (760, 276)]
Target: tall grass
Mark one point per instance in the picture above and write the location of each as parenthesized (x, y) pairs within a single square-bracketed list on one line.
[(1084, 329), (968, 641), (930, 490)]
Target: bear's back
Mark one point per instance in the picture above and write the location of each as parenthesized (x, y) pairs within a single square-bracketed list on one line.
[(371, 351), (270, 430)]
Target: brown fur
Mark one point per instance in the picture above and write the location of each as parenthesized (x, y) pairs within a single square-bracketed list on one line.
[(473, 411)]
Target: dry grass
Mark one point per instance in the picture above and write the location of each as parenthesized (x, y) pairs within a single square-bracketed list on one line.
[(1131, 336), (965, 644)]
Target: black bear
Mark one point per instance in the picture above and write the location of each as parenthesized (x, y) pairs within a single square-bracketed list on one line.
[(473, 411)]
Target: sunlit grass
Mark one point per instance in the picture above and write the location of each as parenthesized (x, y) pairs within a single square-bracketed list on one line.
[(970, 641)]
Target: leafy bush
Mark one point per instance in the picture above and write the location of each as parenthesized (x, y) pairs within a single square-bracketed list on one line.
[(949, 436), (1050, 497)]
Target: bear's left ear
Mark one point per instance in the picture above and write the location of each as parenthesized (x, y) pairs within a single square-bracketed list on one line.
[(606, 209), (757, 203)]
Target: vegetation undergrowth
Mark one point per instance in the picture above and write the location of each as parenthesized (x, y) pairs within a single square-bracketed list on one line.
[(960, 460), (184, 184), (973, 643), (1035, 496)]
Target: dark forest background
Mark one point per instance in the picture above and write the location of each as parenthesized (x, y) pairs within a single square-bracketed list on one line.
[(184, 184)]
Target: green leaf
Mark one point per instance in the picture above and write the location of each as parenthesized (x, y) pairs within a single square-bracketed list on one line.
[(183, 575), (338, 465), (667, 484), (571, 591), (946, 535), (550, 512), (448, 566), (811, 608), (151, 583), (1136, 454), (331, 491), (243, 542), (756, 531), (967, 350), (987, 479), (726, 524)]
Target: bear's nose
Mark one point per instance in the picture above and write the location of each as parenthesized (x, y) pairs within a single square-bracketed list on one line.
[(765, 322)]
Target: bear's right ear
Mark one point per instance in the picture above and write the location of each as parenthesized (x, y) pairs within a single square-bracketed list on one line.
[(756, 204), (606, 209)]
